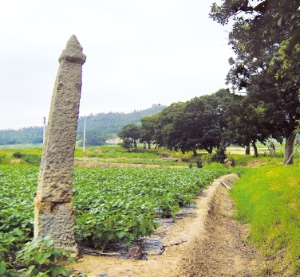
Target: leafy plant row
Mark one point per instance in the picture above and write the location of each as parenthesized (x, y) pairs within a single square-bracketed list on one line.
[(113, 204)]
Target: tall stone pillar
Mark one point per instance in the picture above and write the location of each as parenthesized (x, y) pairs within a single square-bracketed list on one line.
[(54, 213)]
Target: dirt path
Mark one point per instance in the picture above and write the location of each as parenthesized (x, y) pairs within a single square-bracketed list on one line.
[(223, 250), (205, 243), (94, 162)]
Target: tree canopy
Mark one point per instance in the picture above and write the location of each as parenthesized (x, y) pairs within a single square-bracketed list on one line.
[(204, 122), (265, 39), (130, 134)]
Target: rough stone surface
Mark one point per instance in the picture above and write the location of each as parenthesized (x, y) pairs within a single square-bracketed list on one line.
[(53, 204), (57, 220)]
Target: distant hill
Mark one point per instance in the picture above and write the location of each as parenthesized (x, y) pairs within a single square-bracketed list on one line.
[(99, 127), (31, 135)]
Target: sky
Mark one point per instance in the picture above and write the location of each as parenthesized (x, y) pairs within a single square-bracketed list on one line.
[(139, 53)]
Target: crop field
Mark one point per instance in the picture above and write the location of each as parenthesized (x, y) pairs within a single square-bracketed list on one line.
[(111, 204), (124, 205)]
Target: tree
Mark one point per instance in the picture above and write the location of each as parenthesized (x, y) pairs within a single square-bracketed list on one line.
[(130, 132), (31, 135), (204, 122), (127, 144), (165, 132), (265, 39), (198, 123), (147, 130), (246, 123)]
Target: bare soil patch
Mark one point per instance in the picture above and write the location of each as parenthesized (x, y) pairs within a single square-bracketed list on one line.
[(207, 242), (256, 163)]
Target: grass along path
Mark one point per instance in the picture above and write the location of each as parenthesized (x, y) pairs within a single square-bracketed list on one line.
[(268, 199)]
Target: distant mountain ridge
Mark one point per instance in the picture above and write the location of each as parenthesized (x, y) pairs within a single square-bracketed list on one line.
[(99, 127)]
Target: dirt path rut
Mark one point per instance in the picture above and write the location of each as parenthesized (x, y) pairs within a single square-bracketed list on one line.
[(223, 250)]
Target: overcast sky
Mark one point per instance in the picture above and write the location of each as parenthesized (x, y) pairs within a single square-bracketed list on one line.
[(139, 53)]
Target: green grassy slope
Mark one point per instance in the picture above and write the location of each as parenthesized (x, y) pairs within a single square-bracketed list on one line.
[(268, 198)]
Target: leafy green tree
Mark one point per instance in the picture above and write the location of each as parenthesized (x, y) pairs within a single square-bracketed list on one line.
[(127, 144), (165, 132), (198, 123), (204, 121), (131, 132), (94, 139), (147, 130), (207, 122), (220, 155), (265, 39), (246, 124)]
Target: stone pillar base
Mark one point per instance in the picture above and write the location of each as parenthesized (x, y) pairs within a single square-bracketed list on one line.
[(57, 221)]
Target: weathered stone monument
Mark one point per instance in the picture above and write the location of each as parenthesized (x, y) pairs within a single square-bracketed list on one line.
[(54, 215)]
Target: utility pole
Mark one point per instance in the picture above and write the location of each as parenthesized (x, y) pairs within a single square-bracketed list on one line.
[(84, 135), (44, 129)]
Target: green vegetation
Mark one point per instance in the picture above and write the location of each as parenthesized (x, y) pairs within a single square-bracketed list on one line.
[(130, 135), (115, 154), (268, 199), (265, 41), (39, 257), (118, 155), (18, 255), (32, 135), (111, 205), (215, 122), (200, 123), (121, 204), (102, 126), (20, 155), (116, 151)]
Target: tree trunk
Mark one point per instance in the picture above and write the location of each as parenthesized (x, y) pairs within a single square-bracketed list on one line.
[(288, 149), (195, 153), (149, 145), (255, 149), (134, 144), (247, 150), (145, 145)]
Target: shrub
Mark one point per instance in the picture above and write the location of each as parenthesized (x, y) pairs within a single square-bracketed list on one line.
[(199, 163), (220, 155), (127, 144), (18, 155), (32, 159)]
